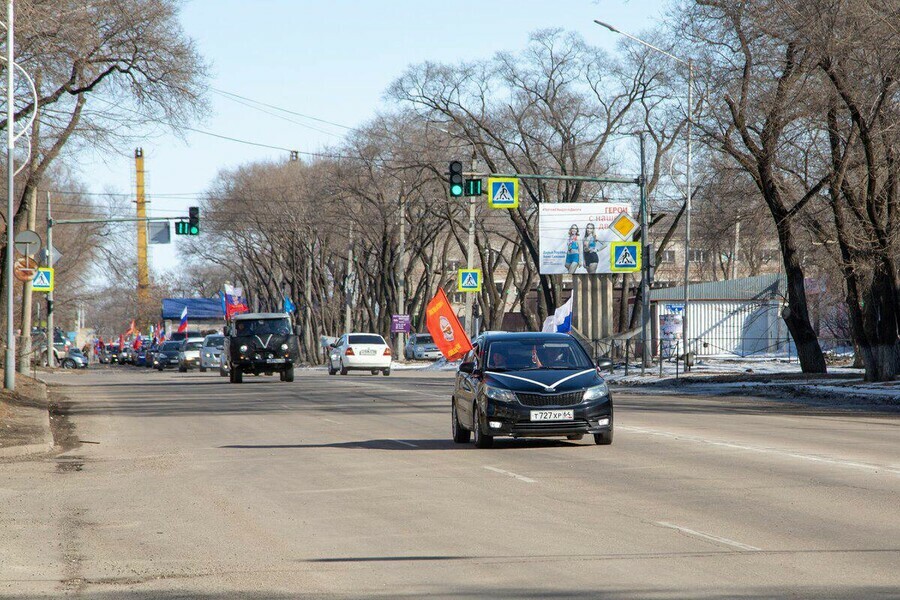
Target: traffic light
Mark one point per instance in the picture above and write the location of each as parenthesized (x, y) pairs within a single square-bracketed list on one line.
[(192, 225), (473, 187), (456, 179), (194, 220)]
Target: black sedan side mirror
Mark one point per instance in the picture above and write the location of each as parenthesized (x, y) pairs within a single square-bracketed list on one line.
[(467, 367), (605, 363)]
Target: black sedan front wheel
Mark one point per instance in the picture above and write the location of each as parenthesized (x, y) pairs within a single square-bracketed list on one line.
[(481, 439), (461, 435), (603, 439)]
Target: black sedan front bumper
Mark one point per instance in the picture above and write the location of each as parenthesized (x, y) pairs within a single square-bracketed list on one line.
[(514, 419)]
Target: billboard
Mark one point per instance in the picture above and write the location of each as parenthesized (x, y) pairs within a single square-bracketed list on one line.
[(576, 237)]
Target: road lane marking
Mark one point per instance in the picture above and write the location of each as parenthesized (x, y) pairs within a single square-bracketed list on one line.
[(332, 421), (405, 443), (708, 536), (510, 474), (763, 450)]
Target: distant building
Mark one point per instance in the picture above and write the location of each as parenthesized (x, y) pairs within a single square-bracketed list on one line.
[(203, 314), (737, 317)]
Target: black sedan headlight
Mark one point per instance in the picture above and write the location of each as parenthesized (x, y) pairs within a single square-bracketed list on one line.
[(596, 392), (499, 394)]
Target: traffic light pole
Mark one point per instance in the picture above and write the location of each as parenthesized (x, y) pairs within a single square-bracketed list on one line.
[(51, 332), (470, 257)]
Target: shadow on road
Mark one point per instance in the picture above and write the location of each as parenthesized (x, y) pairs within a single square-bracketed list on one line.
[(456, 591), (412, 445)]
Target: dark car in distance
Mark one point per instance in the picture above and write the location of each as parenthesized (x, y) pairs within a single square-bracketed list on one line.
[(529, 385), (167, 355)]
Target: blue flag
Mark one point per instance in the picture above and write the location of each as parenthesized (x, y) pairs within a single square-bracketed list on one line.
[(289, 306)]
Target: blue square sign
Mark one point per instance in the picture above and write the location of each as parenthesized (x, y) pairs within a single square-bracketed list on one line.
[(625, 257)]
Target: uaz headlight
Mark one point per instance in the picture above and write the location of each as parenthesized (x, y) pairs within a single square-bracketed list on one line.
[(499, 394), (243, 348), (284, 346), (595, 392)]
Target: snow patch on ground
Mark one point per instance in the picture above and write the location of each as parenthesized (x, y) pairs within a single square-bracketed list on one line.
[(766, 376)]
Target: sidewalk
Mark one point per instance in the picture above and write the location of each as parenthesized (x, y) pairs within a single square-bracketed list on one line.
[(768, 377), (25, 419)]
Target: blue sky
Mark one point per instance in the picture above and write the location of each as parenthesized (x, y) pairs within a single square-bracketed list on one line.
[(331, 60)]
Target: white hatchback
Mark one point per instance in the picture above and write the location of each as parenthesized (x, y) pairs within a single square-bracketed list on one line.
[(360, 352)]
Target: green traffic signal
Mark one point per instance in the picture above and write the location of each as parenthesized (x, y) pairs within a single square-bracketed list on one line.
[(456, 179)]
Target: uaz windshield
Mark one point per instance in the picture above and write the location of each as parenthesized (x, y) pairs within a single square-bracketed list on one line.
[(510, 355), (262, 327)]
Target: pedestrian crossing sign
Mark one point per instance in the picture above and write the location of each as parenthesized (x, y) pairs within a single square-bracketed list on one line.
[(43, 280), (503, 192), (625, 257), (469, 280)]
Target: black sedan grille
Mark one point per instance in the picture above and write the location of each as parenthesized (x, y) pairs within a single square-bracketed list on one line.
[(542, 400), (542, 426)]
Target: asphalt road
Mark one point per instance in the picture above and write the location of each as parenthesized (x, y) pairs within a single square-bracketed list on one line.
[(187, 487)]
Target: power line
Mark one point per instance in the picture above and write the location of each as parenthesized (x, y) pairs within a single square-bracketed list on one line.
[(290, 112)]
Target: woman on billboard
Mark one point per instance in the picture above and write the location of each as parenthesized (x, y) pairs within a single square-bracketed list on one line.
[(573, 256), (591, 248)]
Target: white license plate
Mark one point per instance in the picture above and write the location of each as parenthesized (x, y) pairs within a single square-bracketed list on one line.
[(552, 415), (367, 353), (275, 360)]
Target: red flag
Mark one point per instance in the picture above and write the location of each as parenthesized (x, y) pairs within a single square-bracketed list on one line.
[(138, 342), (131, 329), (445, 329), (121, 342)]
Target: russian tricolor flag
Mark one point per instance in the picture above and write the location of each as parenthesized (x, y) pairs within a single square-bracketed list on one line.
[(561, 320), (182, 327)]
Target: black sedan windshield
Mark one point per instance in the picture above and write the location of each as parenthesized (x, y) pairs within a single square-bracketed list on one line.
[(518, 354)]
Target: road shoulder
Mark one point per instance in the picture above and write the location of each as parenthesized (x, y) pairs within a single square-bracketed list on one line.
[(25, 422)]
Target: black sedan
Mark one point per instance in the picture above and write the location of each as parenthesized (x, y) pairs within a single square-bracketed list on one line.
[(529, 385), (167, 355)]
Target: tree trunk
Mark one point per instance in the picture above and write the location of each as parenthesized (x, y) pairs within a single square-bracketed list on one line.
[(812, 360)]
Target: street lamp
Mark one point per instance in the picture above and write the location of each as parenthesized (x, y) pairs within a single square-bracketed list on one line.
[(687, 209)]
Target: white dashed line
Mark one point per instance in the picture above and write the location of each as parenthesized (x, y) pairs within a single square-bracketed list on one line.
[(708, 536), (511, 474), (763, 450), (332, 421)]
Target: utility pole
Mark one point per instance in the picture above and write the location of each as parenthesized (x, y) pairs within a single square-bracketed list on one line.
[(143, 287), (736, 249), (470, 254), (348, 295), (9, 375), (645, 262), (687, 219), (50, 331), (27, 295), (401, 278)]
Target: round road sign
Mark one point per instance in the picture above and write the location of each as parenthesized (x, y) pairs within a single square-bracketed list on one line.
[(27, 242), (25, 268)]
